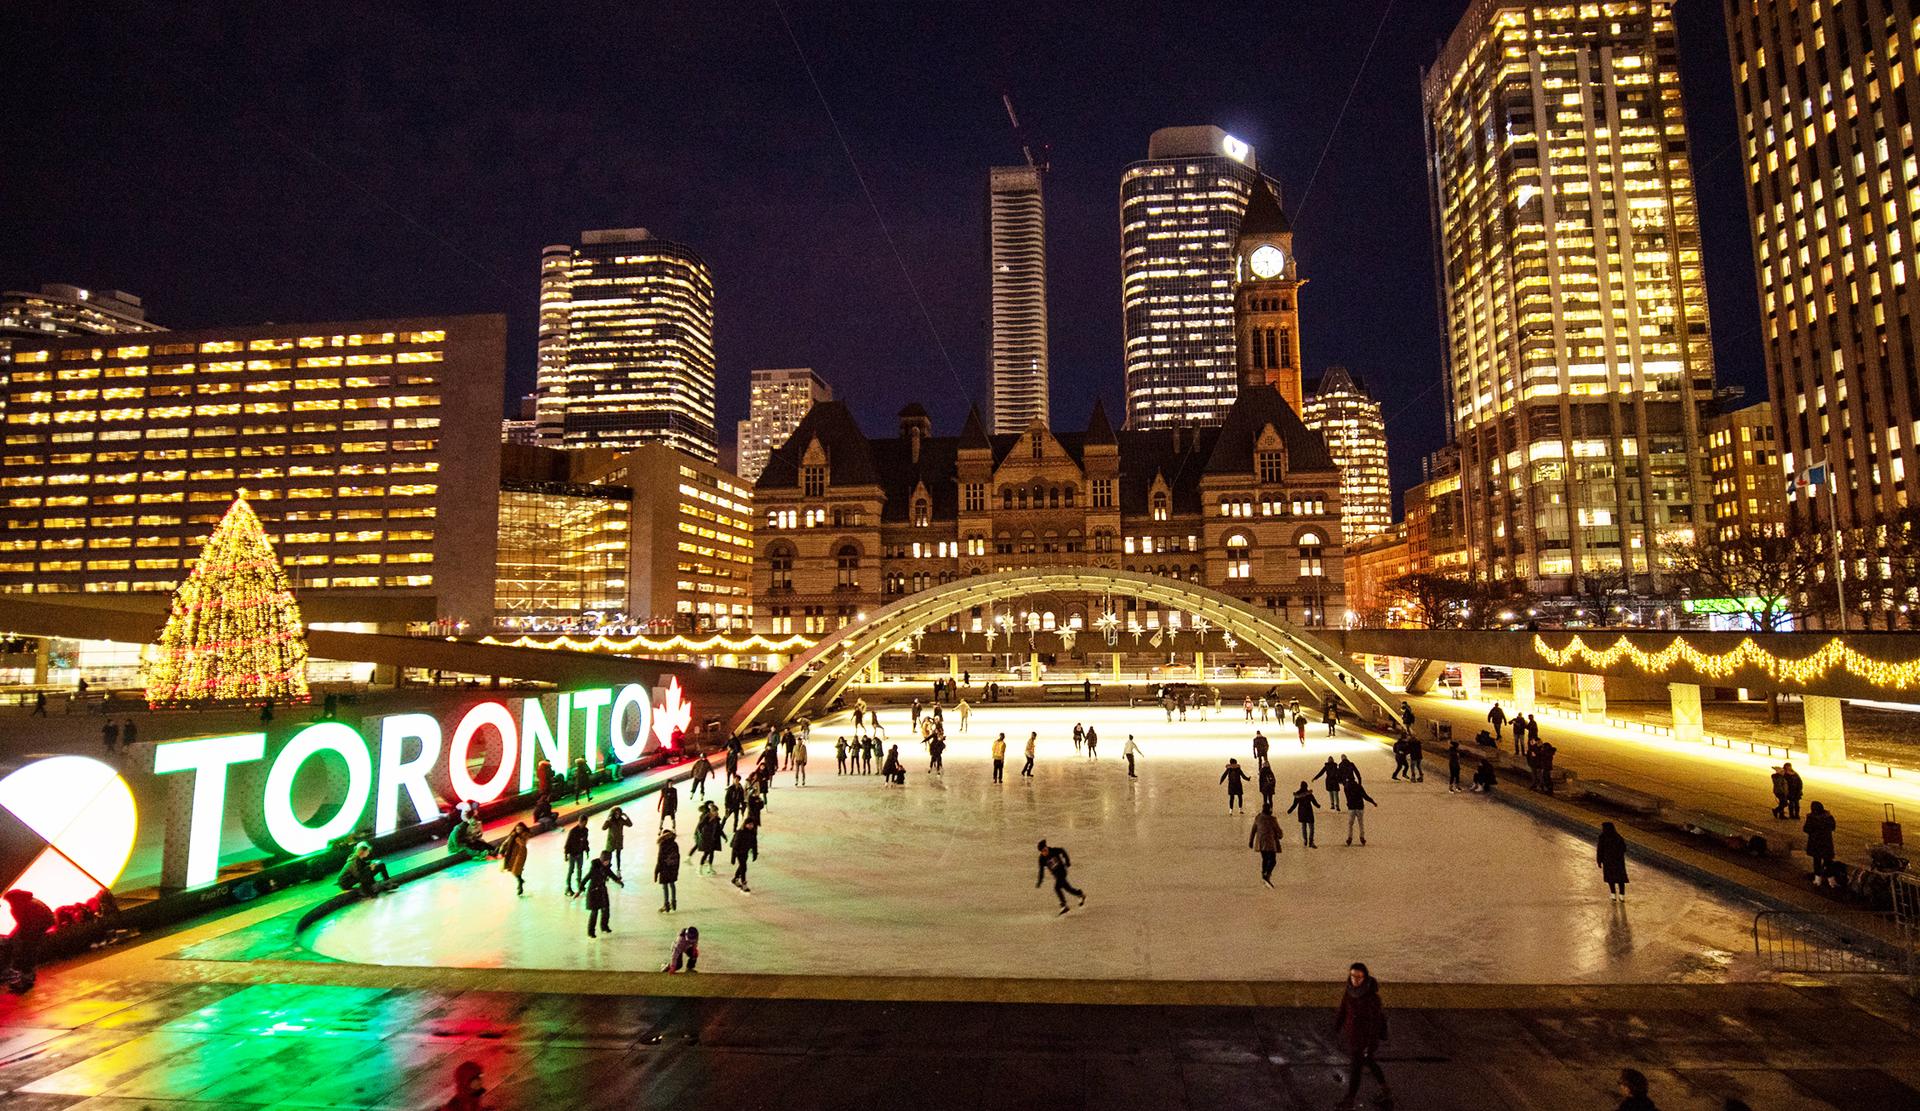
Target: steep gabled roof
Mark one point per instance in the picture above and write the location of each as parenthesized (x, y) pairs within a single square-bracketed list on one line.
[(1264, 214), (1338, 380), (1257, 407), (974, 435), (1099, 428), (849, 455)]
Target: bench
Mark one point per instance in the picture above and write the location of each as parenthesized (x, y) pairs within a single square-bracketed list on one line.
[(1067, 692), (1626, 798), (1731, 832)]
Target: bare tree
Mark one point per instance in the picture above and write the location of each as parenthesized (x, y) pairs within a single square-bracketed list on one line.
[(1598, 588), (1787, 574), (1436, 601)]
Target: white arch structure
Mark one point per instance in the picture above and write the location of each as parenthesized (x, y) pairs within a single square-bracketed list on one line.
[(815, 678)]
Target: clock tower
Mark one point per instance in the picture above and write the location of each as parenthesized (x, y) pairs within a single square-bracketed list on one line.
[(1266, 320)]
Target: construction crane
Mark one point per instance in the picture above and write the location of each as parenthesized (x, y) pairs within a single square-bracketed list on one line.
[(1027, 144)]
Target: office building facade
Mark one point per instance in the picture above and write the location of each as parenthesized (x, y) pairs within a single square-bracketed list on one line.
[(1743, 463), (626, 345), (1017, 267), (1349, 419), (1578, 364), (369, 449), (1826, 103), (1180, 214), (778, 400)]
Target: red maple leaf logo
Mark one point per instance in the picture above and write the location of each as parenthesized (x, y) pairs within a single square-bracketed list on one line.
[(674, 714)]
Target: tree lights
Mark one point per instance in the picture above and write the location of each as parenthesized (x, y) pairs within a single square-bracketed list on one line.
[(234, 634), (1903, 675)]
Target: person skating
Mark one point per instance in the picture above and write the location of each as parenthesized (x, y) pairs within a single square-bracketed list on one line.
[(936, 754), (788, 742), (1055, 860), (1819, 830), (1453, 767), (800, 763), (686, 950), (1349, 772), (736, 800), (616, 827), (746, 844), (1093, 743), (1304, 804), (1357, 802), (666, 871), (669, 805), (1330, 771), (1611, 855), (965, 710), (1259, 747), (576, 848), (582, 779), (1300, 726), (892, 771), (513, 856), (1132, 750), (1330, 715), (701, 770), (1026, 770), (1795, 789), (1268, 783), (756, 802), (1361, 1022), (999, 756), (1079, 737), (840, 756), (1247, 705), (1235, 777), (1264, 838), (709, 834), (599, 904)]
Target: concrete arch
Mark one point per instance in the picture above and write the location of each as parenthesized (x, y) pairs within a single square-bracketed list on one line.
[(815, 678)]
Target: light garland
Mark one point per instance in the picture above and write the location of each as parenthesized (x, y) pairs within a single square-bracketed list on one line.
[(1904, 675), (234, 634), (641, 644)]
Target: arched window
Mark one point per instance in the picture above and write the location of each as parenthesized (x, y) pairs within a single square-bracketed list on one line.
[(1047, 621), (1067, 497), (1239, 556), (847, 563), (922, 512), (1312, 549), (1023, 497), (1006, 497), (1053, 497), (780, 564), (1159, 505)]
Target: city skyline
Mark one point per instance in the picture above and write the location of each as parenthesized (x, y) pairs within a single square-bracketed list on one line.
[(808, 240)]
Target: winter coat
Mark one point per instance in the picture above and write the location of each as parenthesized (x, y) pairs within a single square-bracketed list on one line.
[(666, 866), (1259, 744), (1267, 781), (1264, 837), (736, 796), (1611, 855), (708, 835), (577, 841), (616, 828), (1779, 786), (1357, 796), (1795, 785), (1361, 1020), (596, 886), (1305, 803), (669, 800), (1233, 777), (513, 855), (1331, 771), (746, 842), (1819, 829), (799, 753)]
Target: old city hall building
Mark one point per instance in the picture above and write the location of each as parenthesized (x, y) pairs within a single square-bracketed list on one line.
[(849, 523)]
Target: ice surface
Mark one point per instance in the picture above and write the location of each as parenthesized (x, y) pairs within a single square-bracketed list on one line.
[(936, 878)]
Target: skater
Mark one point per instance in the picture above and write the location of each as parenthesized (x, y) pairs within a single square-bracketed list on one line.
[(1079, 736), (892, 772), (1269, 783), (669, 805), (599, 905), (1305, 804), (966, 714), (686, 949), (1331, 715), (1357, 802), (1611, 856), (1055, 860), (513, 856), (1259, 747), (913, 717), (666, 871), (701, 770), (576, 849), (582, 779), (32, 921), (840, 756), (361, 872), (1819, 830), (1300, 726), (1361, 1023), (1026, 771), (1330, 771), (1349, 772), (936, 753), (746, 843), (756, 802), (708, 835), (736, 799), (788, 742), (999, 756), (1234, 776), (1132, 750), (1264, 838), (1795, 789), (1498, 718), (1400, 758), (1247, 705), (1453, 767), (1093, 743), (616, 827), (799, 761)]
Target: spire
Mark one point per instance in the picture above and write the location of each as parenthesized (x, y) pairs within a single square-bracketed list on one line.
[(1099, 429), (974, 435), (1264, 214)]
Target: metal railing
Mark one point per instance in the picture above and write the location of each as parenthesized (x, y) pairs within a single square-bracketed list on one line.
[(1825, 942)]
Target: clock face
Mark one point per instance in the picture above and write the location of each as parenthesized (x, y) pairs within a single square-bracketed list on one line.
[(1267, 261)]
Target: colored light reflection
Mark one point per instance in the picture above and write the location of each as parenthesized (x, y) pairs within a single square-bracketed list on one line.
[(83, 813)]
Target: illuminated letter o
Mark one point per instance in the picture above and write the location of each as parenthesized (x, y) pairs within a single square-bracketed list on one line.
[(636, 695), (289, 832), (497, 715)]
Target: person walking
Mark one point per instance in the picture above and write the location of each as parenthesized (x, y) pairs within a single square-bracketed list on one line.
[(999, 757), (1361, 1023), (1611, 856), (110, 736), (513, 856), (1055, 860), (1547, 751), (1330, 771), (1498, 718), (1235, 777), (39, 705), (1795, 789), (599, 905), (1260, 747), (746, 844), (1304, 804), (616, 827), (576, 849), (1406, 716), (1819, 830), (1264, 838), (1268, 784), (1416, 761), (669, 805), (128, 734), (1132, 750), (708, 835), (1357, 802), (800, 764), (1633, 1089), (1026, 771), (1453, 767), (666, 871)]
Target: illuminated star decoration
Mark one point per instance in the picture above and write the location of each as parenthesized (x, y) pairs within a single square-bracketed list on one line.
[(1066, 638), (1228, 639), (673, 714), (1201, 626), (1109, 625)]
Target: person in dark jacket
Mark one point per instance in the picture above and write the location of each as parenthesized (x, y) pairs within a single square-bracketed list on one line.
[(513, 856), (708, 835), (616, 827), (1269, 783), (363, 872), (1796, 787), (581, 780), (1453, 767), (1259, 748), (1819, 830), (33, 920), (599, 904), (1263, 838), (576, 848), (1400, 757), (666, 871), (736, 800), (701, 770), (1361, 1023), (1546, 753), (1484, 777), (1235, 777), (1304, 804), (1357, 802), (746, 843), (669, 805), (1633, 1086), (1611, 856), (1331, 772), (686, 949), (1779, 779), (1054, 859), (1498, 718)]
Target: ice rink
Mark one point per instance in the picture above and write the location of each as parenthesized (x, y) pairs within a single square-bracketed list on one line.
[(936, 879)]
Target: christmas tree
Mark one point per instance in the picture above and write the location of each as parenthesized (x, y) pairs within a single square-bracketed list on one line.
[(235, 634)]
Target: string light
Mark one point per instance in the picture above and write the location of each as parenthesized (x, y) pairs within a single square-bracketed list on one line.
[(234, 634), (643, 644), (1835, 654)]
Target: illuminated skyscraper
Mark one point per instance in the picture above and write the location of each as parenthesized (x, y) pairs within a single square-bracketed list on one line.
[(1827, 99), (1578, 368), (1017, 244), (779, 402), (67, 310), (1349, 419), (632, 318), (1180, 214)]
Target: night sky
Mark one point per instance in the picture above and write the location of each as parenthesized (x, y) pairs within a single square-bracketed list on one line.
[(238, 163)]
